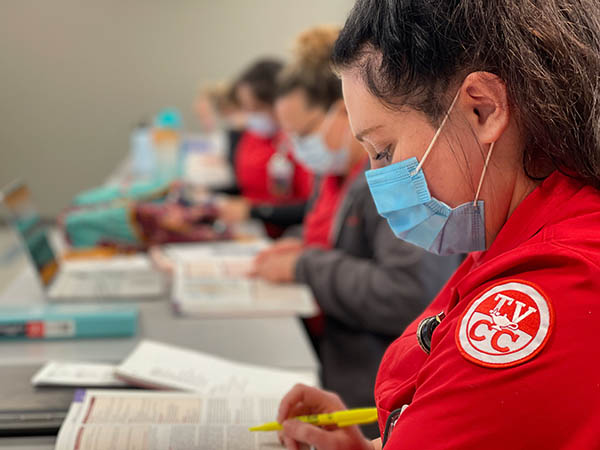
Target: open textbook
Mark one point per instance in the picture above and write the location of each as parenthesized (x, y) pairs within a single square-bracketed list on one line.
[(225, 399), (213, 280), (161, 366), (142, 420)]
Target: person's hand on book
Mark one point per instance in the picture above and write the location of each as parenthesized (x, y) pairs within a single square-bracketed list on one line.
[(277, 266), (305, 400), (281, 245), (233, 210), (267, 256)]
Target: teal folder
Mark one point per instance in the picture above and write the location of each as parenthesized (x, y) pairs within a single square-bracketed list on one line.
[(68, 321)]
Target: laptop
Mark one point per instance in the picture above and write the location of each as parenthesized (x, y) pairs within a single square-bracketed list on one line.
[(119, 277)]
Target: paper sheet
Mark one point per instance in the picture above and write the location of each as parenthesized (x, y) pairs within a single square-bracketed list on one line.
[(159, 365), (135, 420), (79, 374)]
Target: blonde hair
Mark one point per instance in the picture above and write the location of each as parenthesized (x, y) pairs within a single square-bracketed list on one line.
[(220, 94), (310, 69)]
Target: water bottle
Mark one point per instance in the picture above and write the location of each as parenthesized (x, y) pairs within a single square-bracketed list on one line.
[(143, 156)]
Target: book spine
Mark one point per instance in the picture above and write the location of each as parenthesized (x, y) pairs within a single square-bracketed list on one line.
[(69, 327), (38, 329)]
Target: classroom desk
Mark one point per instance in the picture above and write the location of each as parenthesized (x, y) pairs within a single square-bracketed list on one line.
[(28, 443), (277, 342)]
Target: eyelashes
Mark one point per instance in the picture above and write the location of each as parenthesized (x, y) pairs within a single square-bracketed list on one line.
[(385, 155)]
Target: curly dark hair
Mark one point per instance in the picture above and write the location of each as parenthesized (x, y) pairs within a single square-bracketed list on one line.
[(547, 52)]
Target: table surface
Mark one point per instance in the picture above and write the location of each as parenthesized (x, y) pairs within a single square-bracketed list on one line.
[(277, 342), (28, 443)]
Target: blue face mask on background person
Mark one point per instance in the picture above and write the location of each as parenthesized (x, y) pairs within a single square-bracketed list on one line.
[(401, 195), (312, 152), (261, 124)]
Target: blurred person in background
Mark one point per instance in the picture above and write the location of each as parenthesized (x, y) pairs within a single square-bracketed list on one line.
[(368, 284), (273, 187), (217, 108)]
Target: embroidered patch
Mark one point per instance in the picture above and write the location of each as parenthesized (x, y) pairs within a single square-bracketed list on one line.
[(506, 325)]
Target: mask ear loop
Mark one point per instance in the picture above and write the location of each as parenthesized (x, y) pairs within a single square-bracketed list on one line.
[(485, 166), (436, 136)]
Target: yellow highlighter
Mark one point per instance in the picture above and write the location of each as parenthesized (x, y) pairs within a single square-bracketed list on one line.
[(340, 419)]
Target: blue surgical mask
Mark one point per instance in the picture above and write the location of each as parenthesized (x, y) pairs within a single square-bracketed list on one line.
[(401, 195), (312, 152), (261, 124)]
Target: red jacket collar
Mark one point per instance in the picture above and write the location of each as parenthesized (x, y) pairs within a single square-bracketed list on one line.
[(547, 203)]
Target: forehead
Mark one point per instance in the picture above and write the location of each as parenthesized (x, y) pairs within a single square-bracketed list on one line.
[(364, 109), (295, 100), (368, 113), (246, 97), (293, 111)]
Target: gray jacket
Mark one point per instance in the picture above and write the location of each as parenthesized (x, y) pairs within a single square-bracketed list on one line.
[(370, 286)]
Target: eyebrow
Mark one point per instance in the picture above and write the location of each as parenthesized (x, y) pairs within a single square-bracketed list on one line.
[(360, 136)]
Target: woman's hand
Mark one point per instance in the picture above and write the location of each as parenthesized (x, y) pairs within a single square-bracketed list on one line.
[(282, 245), (161, 261), (233, 210), (303, 400), (277, 266)]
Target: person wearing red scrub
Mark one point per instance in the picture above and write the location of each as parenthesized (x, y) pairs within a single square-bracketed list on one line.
[(356, 269), (274, 188)]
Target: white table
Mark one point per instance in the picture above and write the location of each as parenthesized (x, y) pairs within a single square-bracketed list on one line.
[(28, 443), (277, 342)]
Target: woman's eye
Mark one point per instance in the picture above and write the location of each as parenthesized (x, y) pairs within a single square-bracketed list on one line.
[(385, 155)]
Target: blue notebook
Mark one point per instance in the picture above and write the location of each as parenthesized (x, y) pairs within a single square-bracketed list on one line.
[(68, 321)]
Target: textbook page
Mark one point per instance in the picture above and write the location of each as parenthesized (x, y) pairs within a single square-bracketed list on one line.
[(212, 280), (158, 365), (220, 285), (141, 420)]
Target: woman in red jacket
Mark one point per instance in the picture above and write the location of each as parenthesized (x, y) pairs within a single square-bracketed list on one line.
[(273, 187), (482, 121)]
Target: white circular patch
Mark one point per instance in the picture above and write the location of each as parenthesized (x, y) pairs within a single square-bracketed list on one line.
[(506, 325)]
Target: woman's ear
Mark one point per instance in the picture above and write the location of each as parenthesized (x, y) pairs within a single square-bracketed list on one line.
[(484, 102)]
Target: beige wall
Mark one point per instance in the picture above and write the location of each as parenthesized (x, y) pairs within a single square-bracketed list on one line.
[(75, 76)]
